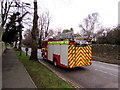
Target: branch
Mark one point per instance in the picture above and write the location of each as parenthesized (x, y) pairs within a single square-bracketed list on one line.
[(20, 19), (6, 13), (81, 26)]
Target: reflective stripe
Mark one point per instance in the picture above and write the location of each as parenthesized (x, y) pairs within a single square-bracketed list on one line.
[(59, 42), (45, 40), (44, 48)]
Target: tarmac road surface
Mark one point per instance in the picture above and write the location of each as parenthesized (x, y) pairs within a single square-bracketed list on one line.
[(98, 75)]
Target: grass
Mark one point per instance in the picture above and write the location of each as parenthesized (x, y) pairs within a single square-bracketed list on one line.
[(42, 76)]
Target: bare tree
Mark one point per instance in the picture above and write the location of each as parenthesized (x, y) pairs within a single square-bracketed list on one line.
[(11, 6), (5, 8), (48, 19), (44, 23), (51, 32), (20, 28), (90, 24), (41, 26), (57, 32)]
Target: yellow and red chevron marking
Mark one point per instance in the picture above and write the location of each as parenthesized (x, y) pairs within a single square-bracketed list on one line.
[(78, 56), (89, 52), (86, 56), (71, 55), (83, 55)]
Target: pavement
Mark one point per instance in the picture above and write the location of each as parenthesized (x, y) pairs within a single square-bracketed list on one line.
[(14, 74)]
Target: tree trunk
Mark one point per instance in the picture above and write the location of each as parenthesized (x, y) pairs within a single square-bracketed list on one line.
[(15, 44), (20, 35), (34, 51), (34, 33)]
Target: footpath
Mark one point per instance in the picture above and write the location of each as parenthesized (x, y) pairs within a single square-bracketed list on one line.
[(14, 74)]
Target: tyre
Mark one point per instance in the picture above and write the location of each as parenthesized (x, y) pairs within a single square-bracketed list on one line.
[(43, 56), (55, 62)]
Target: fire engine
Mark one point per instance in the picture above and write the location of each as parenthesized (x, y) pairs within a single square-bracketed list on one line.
[(68, 53)]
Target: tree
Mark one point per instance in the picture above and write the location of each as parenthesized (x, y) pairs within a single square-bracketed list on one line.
[(65, 31), (8, 7), (44, 22), (10, 34), (48, 19), (51, 32), (27, 41), (20, 26), (57, 33), (90, 24), (110, 37), (34, 33), (5, 8)]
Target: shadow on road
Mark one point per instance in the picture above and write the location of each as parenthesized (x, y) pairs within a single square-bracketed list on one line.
[(73, 69), (64, 69)]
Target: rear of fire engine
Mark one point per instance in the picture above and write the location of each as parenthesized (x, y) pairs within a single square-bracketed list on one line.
[(68, 53)]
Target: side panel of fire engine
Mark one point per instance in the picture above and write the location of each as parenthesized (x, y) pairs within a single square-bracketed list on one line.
[(57, 49), (64, 55), (50, 51)]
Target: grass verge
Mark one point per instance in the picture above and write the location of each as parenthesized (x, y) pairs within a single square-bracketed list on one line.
[(42, 77)]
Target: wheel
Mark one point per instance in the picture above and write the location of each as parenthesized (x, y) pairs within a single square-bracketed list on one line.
[(55, 62), (43, 56)]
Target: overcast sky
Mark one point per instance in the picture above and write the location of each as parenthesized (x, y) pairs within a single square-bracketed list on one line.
[(69, 13)]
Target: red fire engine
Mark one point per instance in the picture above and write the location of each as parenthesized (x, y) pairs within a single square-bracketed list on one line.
[(68, 53)]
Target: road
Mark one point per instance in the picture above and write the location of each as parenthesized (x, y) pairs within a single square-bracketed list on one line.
[(98, 75)]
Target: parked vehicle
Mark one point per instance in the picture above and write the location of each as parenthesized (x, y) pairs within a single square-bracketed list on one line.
[(68, 53)]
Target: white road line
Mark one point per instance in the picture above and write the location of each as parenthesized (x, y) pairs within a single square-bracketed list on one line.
[(105, 63), (107, 72), (114, 69)]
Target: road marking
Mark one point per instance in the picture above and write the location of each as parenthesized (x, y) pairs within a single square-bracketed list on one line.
[(105, 63), (114, 69), (106, 72)]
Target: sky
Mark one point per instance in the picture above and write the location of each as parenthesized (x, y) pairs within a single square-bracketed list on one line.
[(68, 14)]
